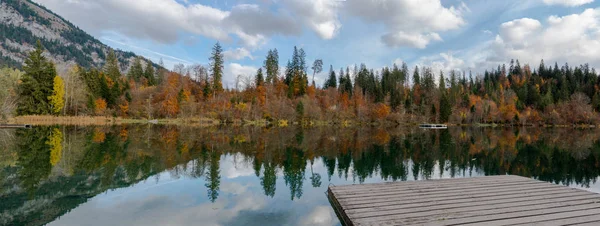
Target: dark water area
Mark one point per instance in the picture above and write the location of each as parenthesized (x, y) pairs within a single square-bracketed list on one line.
[(168, 175)]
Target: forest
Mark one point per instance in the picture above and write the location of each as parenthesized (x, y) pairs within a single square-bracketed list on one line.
[(512, 94)]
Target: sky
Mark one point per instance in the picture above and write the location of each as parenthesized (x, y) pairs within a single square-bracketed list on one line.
[(466, 35)]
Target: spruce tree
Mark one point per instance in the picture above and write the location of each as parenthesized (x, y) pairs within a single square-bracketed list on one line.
[(331, 81), (445, 108), (216, 67), (149, 74), (271, 66), (111, 68), (136, 71), (259, 80), (36, 84)]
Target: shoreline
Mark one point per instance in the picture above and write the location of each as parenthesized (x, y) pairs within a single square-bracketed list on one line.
[(46, 120)]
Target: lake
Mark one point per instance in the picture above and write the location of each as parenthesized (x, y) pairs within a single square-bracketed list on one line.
[(169, 175)]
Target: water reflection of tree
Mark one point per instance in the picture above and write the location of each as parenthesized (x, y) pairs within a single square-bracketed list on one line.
[(294, 166), (213, 177), (34, 157), (114, 157)]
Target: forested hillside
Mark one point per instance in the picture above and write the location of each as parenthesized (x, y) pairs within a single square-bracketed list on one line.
[(23, 22), (511, 94)]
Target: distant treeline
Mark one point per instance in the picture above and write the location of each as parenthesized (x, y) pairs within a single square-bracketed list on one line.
[(513, 94)]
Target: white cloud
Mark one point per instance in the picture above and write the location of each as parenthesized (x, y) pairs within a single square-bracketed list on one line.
[(237, 54), (571, 38), (397, 61), (570, 3), (518, 31), (164, 20), (159, 20), (320, 15), (235, 70), (409, 23), (410, 39), (445, 62)]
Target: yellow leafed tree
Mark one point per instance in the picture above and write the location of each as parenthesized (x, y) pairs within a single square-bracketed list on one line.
[(57, 99), (55, 143)]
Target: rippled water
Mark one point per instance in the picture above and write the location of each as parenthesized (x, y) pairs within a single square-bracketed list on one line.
[(164, 175)]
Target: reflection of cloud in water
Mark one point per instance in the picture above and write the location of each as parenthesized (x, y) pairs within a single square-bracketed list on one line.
[(236, 165), (321, 215), (155, 209)]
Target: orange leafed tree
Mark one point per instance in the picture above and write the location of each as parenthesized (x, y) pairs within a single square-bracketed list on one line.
[(381, 111), (100, 106)]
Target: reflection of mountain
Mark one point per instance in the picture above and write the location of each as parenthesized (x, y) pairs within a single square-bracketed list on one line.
[(51, 178)]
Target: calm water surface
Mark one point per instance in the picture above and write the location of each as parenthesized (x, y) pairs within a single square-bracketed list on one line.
[(162, 175)]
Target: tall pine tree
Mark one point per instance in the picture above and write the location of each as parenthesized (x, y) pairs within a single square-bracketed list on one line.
[(216, 67), (36, 84)]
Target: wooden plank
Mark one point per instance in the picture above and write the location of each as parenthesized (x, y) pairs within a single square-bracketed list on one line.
[(429, 216), (433, 187), (457, 196), (434, 182), (426, 183), (522, 216), (471, 202), (449, 200), (594, 223), (498, 200), (437, 182), (579, 220), (470, 206), (432, 191), (546, 217)]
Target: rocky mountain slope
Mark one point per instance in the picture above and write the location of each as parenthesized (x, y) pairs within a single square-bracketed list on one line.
[(23, 22)]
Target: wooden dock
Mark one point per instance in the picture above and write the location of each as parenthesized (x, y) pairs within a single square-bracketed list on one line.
[(491, 200), (15, 126)]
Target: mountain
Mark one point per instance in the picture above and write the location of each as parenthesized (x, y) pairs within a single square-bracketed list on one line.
[(23, 22)]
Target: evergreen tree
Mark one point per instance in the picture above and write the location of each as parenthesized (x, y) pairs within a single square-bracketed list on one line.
[(136, 71), (271, 66), (341, 80), (149, 74), (331, 81), (596, 101), (445, 108), (36, 84), (395, 99), (416, 77), (216, 67), (207, 88), (259, 80), (111, 68)]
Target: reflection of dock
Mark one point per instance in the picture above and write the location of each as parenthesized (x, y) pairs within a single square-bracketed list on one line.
[(433, 126), (491, 200), (14, 126)]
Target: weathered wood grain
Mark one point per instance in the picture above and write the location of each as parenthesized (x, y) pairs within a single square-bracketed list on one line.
[(491, 200)]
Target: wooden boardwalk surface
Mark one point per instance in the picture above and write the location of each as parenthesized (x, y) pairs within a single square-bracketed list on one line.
[(491, 200)]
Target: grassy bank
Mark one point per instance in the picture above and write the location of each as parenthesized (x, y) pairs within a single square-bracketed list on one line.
[(41, 120), (203, 122)]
